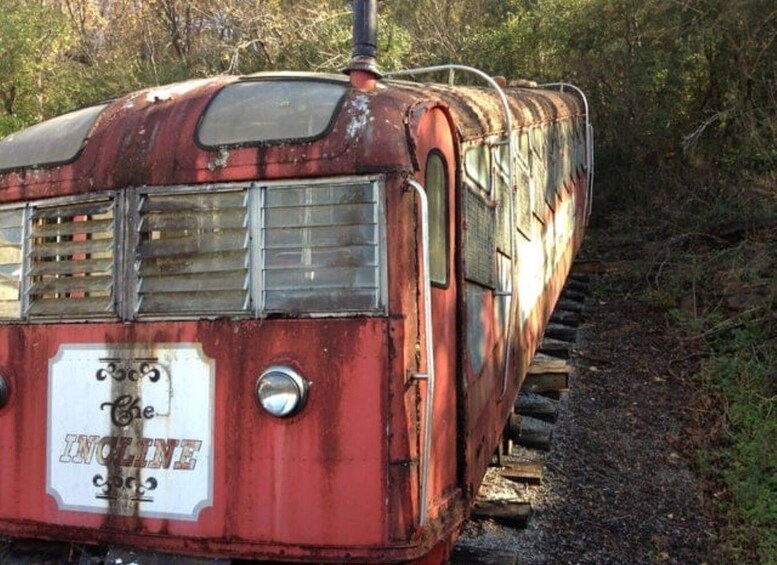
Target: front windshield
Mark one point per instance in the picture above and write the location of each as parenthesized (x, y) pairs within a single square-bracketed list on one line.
[(58, 140), (261, 111)]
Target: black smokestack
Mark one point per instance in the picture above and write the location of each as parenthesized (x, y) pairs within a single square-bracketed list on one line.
[(365, 37)]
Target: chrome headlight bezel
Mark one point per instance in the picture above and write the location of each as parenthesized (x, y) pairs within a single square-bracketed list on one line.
[(281, 391)]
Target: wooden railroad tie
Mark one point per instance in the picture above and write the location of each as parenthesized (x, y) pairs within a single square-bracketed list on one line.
[(530, 432), (505, 512), (463, 555), (568, 305), (561, 332), (584, 269), (566, 318), (549, 362), (576, 285), (555, 348), (547, 376), (545, 383), (537, 406), (38, 552), (528, 472), (574, 295)]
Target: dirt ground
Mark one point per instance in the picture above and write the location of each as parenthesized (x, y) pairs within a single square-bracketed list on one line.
[(618, 485)]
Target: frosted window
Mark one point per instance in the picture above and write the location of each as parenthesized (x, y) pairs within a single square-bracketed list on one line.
[(436, 184), (54, 141), (270, 110)]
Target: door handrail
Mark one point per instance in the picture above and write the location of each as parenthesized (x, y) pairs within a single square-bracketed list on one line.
[(428, 337)]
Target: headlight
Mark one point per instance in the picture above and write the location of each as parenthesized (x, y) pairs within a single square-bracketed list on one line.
[(281, 391), (3, 392)]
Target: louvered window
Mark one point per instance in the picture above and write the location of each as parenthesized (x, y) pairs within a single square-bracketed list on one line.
[(232, 250), (192, 254), (71, 260), (322, 248)]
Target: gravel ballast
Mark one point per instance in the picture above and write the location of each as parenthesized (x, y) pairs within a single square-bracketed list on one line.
[(617, 486)]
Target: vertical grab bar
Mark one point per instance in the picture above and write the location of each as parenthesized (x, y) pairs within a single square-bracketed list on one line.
[(429, 375)]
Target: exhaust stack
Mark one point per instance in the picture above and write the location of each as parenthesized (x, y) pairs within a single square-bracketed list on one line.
[(363, 68)]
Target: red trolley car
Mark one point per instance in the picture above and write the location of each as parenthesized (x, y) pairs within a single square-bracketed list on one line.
[(279, 316)]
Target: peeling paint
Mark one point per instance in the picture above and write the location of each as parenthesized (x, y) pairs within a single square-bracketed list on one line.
[(361, 116), (165, 93), (221, 161)]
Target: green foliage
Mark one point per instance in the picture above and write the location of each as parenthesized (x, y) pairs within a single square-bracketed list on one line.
[(33, 40), (743, 375), (696, 259), (9, 124), (683, 101), (670, 83), (325, 43)]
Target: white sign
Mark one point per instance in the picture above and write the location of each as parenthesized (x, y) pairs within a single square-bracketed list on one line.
[(130, 429)]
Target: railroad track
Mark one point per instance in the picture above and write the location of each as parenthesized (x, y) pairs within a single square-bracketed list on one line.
[(503, 497)]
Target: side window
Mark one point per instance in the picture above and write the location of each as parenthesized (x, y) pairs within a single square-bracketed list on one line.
[(552, 159), (580, 145), (477, 164), (566, 142), (523, 172), (539, 173), (500, 181), (437, 193)]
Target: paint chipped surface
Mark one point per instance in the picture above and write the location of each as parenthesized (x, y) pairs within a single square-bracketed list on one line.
[(369, 131), (221, 161), (360, 106), (165, 93)]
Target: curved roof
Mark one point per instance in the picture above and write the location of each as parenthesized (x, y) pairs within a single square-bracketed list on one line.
[(229, 128), (477, 112)]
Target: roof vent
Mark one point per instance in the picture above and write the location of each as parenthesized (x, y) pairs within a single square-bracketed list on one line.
[(363, 68)]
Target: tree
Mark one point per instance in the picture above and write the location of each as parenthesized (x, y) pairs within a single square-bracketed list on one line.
[(33, 40), (665, 78)]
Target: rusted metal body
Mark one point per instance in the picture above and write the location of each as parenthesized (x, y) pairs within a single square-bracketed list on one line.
[(340, 480)]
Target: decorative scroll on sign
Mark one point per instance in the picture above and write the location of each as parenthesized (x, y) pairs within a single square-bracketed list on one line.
[(130, 430)]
